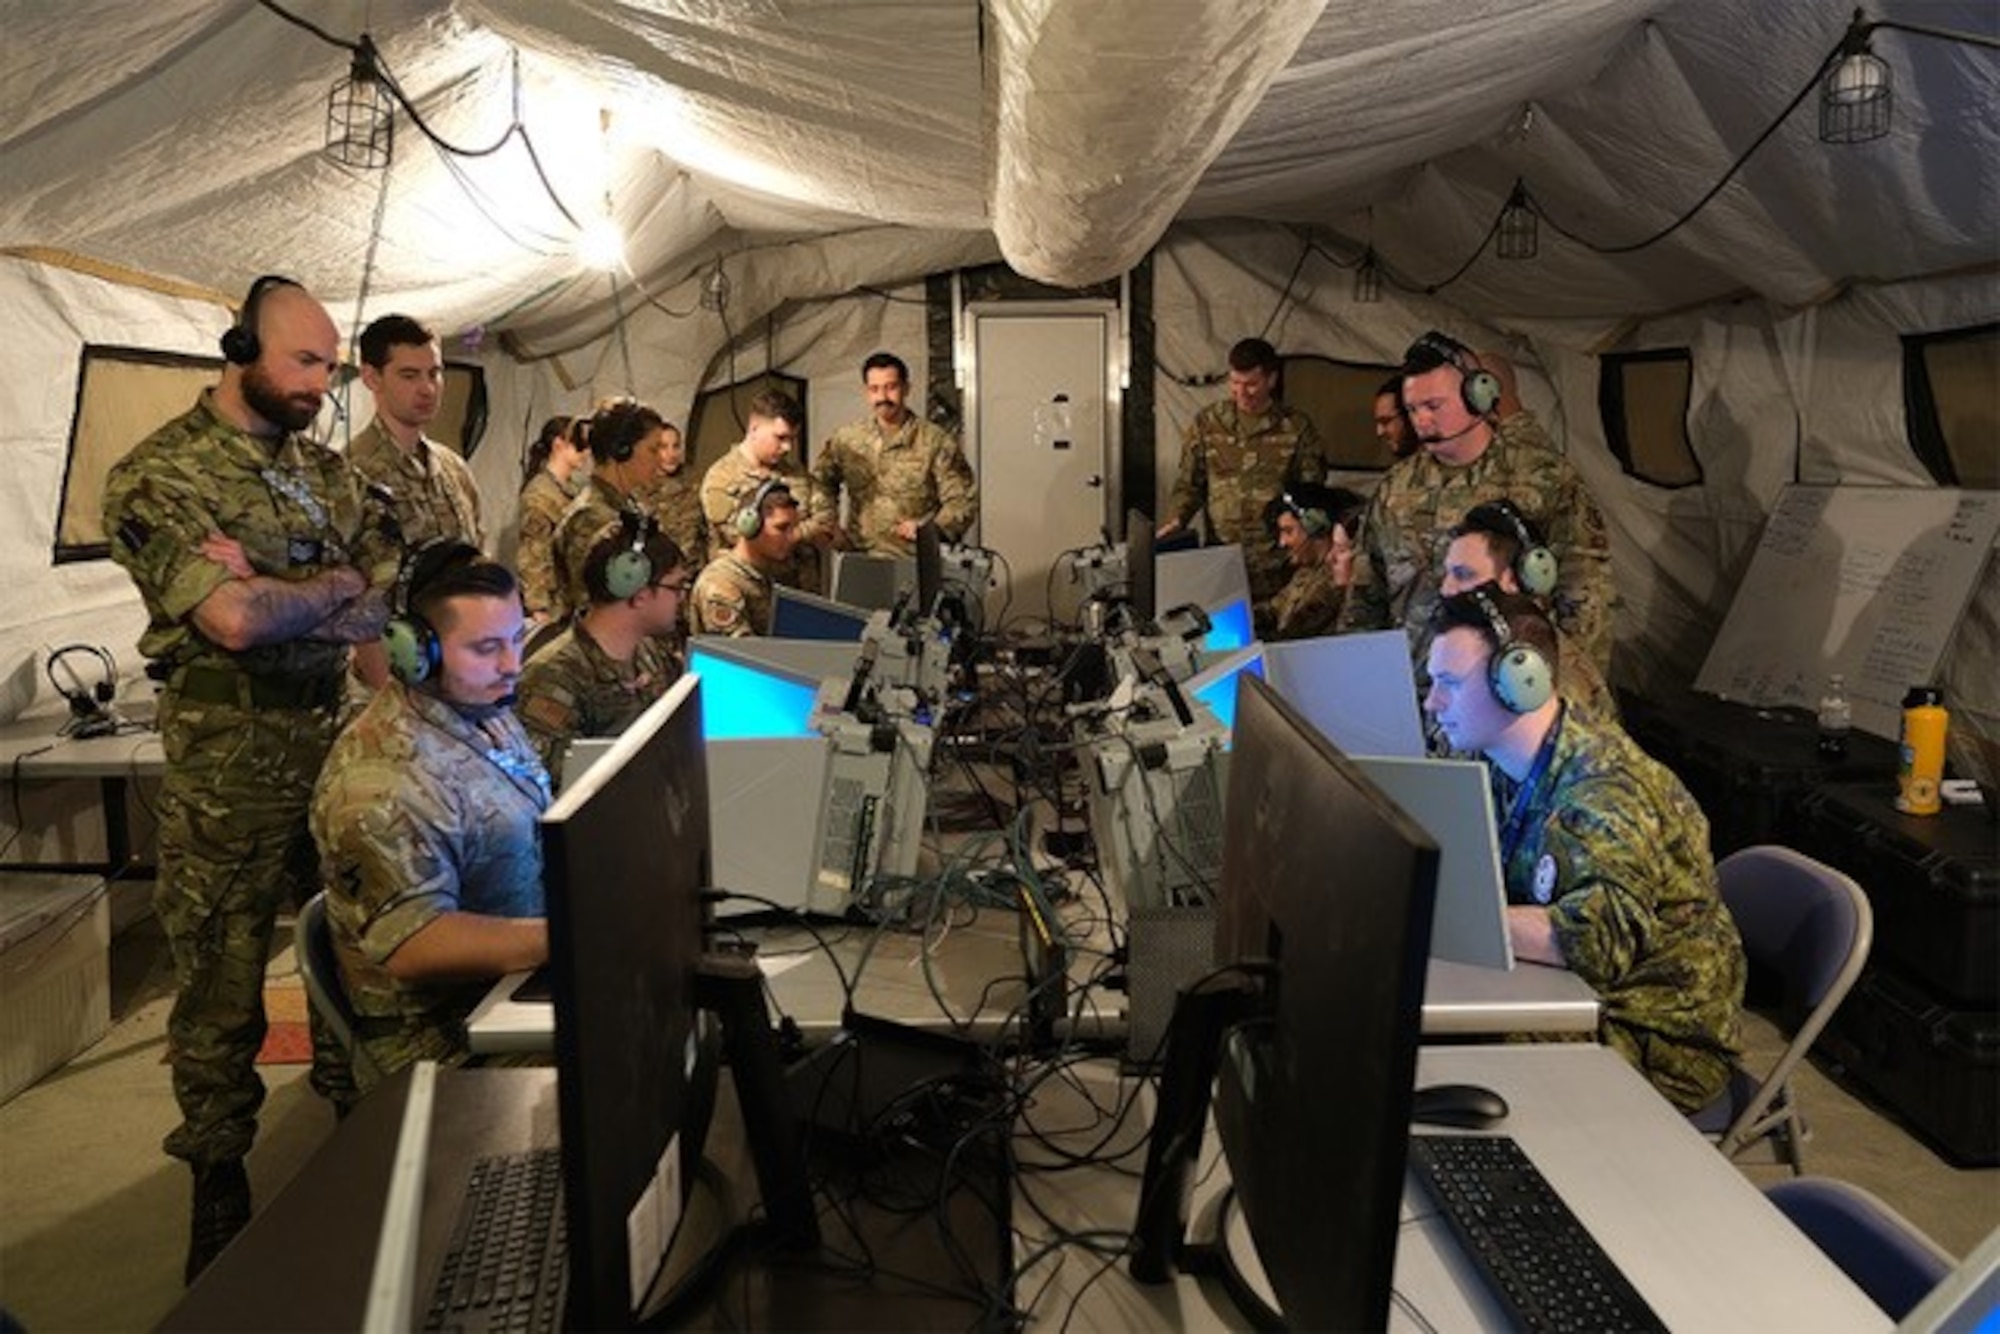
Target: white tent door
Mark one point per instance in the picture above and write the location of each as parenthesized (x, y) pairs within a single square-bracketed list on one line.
[(1041, 409)]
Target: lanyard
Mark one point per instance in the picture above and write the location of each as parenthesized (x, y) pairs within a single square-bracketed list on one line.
[(1515, 828)]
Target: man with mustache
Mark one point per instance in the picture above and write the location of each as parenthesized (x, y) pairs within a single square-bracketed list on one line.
[(896, 469), (258, 567)]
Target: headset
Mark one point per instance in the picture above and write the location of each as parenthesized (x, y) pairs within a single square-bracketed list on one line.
[(620, 420), (1520, 677), (1317, 522), (408, 639), (629, 570), (89, 710), (240, 344), (1478, 389), (748, 521), (1535, 565)]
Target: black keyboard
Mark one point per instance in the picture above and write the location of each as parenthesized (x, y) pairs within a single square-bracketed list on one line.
[(1546, 1269), (508, 1264)]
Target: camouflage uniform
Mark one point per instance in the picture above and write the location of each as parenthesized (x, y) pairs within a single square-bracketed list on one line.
[(422, 812), (1231, 467), (675, 501), (1524, 430), (731, 597), (915, 472), (598, 505), (1617, 848), (572, 688), (244, 735), (728, 485), (543, 502), (1407, 529), (435, 494), (1308, 605), (1581, 683)]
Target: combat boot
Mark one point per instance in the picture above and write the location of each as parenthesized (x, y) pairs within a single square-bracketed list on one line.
[(221, 1208)]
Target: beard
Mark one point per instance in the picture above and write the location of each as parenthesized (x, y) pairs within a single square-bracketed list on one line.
[(293, 413)]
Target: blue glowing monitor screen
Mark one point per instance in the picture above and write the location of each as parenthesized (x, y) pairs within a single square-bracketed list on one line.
[(740, 701), (1219, 690), (797, 618), (1229, 627)]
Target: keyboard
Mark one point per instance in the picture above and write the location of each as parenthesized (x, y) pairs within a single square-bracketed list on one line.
[(507, 1267), (1545, 1268)]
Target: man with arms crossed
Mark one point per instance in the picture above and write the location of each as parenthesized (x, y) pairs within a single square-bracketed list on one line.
[(251, 549)]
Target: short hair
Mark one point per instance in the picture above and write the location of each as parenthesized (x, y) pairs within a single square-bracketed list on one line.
[(1526, 622), (619, 426), (1502, 524), (1393, 387), (777, 496), (1254, 354), (1339, 504), (554, 429), (886, 361), (454, 570), (391, 331), (1434, 350), (777, 405), (663, 554)]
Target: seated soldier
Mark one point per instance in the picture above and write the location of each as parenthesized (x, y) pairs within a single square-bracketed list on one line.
[(425, 816), (1496, 543), (599, 674), (1604, 853), (1313, 525), (733, 594)]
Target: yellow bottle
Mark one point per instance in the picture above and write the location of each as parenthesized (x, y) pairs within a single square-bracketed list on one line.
[(1925, 723)]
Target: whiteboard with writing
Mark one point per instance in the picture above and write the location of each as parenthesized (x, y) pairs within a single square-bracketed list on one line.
[(1866, 581)]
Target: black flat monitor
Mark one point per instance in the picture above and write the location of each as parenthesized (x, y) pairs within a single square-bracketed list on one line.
[(1324, 920), (797, 615), (930, 567), (1142, 579), (626, 857)]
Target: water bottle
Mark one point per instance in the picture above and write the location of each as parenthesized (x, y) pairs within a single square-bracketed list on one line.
[(1925, 723), (1836, 718)]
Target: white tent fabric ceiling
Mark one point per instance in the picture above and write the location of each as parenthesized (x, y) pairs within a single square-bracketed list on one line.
[(182, 139)]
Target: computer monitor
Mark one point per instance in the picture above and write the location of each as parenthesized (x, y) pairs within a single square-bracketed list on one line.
[(626, 853), (1358, 689), (744, 696), (395, 1302), (1141, 571), (797, 615), (862, 579), (1216, 580), (930, 567), (1453, 801), (1215, 684), (1325, 916)]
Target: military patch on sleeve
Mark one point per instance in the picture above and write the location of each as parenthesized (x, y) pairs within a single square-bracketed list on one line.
[(721, 614), (1546, 876), (548, 713)]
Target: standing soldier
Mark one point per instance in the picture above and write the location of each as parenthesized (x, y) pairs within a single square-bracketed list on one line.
[(674, 500), (556, 469), (1237, 457), (764, 454), (625, 439), (897, 470), (249, 547)]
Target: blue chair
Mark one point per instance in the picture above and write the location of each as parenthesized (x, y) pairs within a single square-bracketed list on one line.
[(1886, 1255), (1811, 927)]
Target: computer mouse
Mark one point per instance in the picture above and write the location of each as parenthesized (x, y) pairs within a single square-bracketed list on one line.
[(1462, 1106)]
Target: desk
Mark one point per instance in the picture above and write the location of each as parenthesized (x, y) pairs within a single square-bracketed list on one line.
[(1695, 1237), (1460, 1000), (31, 751)]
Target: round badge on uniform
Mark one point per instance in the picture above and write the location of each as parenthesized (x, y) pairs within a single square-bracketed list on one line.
[(1545, 878)]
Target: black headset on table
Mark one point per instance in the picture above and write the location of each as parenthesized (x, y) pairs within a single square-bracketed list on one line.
[(89, 708), (1519, 676)]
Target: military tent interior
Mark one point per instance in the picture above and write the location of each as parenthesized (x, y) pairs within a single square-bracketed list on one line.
[(794, 184)]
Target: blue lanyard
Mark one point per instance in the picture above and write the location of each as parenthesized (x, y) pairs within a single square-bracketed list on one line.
[(1515, 828)]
